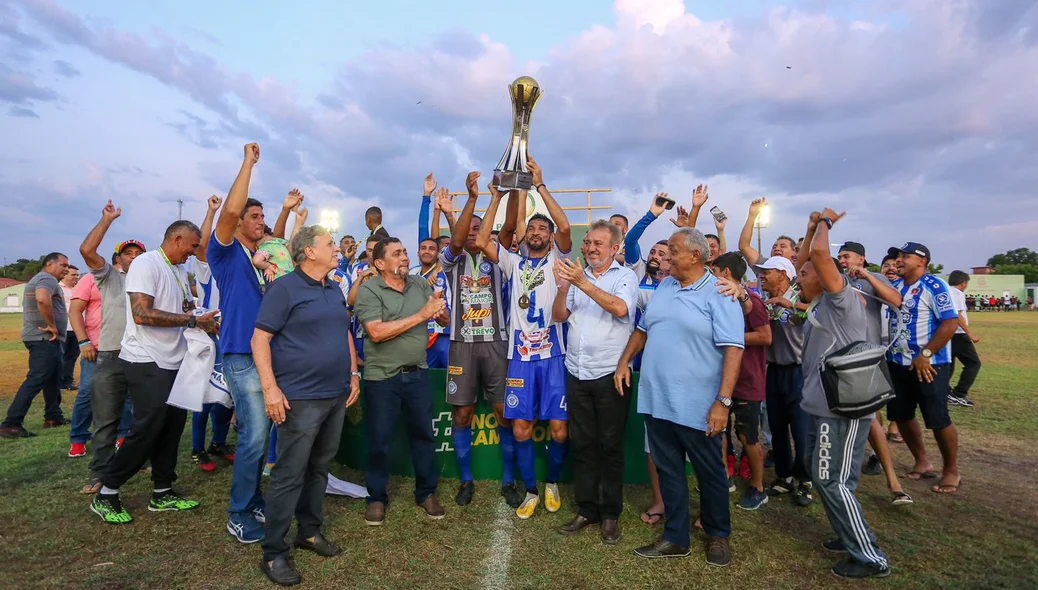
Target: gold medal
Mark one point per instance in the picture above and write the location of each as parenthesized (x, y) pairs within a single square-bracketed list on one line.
[(475, 286), (524, 302)]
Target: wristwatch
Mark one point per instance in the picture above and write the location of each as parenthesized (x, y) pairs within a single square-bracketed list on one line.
[(745, 297), (926, 353), (725, 401), (192, 322), (828, 222), (355, 374)]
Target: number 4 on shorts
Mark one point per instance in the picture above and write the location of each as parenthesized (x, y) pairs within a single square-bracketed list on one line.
[(562, 403)]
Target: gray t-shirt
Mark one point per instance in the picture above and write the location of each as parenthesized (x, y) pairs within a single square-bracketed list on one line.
[(32, 319), (112, 285), (873, 307), (844, 318), (787, 332)]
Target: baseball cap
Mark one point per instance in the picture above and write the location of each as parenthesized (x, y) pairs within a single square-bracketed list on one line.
[(119, 249), (911, 248), (777, 263), (853, 247)]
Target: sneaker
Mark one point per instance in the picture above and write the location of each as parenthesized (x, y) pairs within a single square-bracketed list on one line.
[(744, 467), (854, 569), (465, 492), (56, 423), (70, 387), (552, 498), (119, 442), (223, 451), (77, 450), (731, 486), (110, 509), (954, 400), (966, 402), (245, 528), (718, 551), (753, 499), (780, 486), (510, 492), (873, 466), (15, 432), (804, 495), (202, 460), (258, 514), (526, 509), (834, 546), (170, 500)]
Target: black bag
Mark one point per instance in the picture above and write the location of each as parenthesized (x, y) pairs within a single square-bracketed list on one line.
[(856, 380)]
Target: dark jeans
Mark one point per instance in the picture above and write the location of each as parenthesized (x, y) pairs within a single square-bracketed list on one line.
[(109, 403), (384, 401), (597, 419), (221, 416), (309, 440), (68, 366), (44, 375), (156, 430), (964, 352), (784, 386), (669, 444)]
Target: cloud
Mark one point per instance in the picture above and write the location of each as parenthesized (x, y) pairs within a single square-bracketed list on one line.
[(65, 69), (20, 87), (907, 116), (16, 111)]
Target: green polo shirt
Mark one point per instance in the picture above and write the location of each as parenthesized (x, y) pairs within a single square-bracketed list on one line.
[(377, 301)]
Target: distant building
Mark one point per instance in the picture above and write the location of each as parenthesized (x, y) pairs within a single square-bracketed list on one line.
[(995, 285), (11, 297), (982, 270)]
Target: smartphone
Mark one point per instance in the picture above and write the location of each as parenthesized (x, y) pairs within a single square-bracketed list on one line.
[(718, 214), (664, 202)]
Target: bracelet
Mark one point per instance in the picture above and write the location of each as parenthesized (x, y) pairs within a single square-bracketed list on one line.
[(539, 186), (82, 342), (828, 222)]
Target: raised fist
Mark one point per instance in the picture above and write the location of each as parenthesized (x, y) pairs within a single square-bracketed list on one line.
[(214, 202), (252, 153), (111, 212)]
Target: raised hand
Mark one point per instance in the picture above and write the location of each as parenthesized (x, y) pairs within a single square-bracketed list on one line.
[(494, 193), (214, 203), (720, 224), (700, 195), (293, 199), (252, 153), (444, 202), (756, 205), (833, 216), (535, 169), (429, 185), (350, 251), (302, 213), (812, 221), (472, 184), (654, 207), (367, 274), (111, 212), (682, 219)]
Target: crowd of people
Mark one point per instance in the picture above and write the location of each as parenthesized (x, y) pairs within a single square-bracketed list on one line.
[(732, 375)]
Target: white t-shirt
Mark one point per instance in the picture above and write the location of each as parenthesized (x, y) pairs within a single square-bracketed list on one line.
[(151, 275), (959, 304), (532, 333)]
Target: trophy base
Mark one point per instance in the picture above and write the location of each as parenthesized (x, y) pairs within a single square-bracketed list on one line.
[(506, 180)]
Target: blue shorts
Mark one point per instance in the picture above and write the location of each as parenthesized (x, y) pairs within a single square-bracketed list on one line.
[(436, 355), (536, 389)]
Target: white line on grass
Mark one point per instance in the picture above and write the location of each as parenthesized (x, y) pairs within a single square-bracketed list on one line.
[(500, 556)]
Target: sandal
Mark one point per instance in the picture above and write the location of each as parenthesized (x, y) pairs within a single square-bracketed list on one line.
[(895, 437), (651, 517), (946, 488), (902, 499), (919, 476)]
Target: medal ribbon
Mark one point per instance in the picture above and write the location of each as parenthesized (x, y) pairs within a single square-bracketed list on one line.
[(529, 274), (259, 275), (176, 276)]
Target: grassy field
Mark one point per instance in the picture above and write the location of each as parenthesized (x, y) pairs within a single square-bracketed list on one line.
[(983, 537)]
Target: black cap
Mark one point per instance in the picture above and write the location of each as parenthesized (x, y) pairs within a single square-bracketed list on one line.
[(911, 248), (853, 247)]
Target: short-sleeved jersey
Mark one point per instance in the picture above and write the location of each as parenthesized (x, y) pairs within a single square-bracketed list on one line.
[(533, 334), (476, 296), (441, 284), (925, 304)]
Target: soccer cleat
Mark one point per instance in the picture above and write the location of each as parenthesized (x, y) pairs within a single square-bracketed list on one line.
[(77, 450), (110, 509), (525, 510), (202, 460), (510, 492), (552, 499), (224, 451), (465, 493), (170, 501)]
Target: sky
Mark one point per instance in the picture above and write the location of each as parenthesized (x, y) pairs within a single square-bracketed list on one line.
[(916, 117)]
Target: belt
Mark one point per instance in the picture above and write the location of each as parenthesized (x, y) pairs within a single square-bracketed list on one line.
[(409, 369)]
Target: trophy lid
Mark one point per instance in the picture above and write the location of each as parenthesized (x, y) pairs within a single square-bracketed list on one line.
[(530, 87)]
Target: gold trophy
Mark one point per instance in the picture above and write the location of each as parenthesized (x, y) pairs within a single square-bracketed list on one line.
[(511, 172)]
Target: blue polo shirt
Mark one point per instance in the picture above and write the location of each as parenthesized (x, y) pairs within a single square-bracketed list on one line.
[(687, 330), (310, 351), (241, 290)]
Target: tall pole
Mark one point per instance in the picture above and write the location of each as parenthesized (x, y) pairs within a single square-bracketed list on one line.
[(758, 238), (180, 209)]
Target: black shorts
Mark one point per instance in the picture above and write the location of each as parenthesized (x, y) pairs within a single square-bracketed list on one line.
[(747, 420), (475, 365), (910, 392)]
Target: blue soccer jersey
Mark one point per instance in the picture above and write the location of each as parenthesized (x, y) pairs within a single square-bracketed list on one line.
[(926, 303)]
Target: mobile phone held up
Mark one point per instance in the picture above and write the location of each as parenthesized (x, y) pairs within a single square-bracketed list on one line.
[(718, 214), (665, 202)]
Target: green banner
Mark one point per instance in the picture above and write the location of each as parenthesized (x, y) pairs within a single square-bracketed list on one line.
[(486, 451)]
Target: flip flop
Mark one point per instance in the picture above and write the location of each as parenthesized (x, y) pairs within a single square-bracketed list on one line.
[(901, 499), (917, 476), (895, 437), (647, 517), (946, 488)]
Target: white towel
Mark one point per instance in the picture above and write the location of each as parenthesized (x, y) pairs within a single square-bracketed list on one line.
[(338, 487), (196, 370), (217, 392)]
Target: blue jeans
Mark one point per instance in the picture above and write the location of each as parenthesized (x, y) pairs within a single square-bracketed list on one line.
[(82, 413), (199, 422), (384, 400), (239, 371)]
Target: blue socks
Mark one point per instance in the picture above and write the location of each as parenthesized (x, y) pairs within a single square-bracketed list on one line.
[(272, 455), (556, 458), (527, 468), (507, 454), (463, 451)]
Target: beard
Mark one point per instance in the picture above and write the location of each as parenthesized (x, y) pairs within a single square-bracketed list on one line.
[(652, 267)]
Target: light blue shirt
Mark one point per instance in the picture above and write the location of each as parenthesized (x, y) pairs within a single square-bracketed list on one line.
[(597, 338), (687, 330)]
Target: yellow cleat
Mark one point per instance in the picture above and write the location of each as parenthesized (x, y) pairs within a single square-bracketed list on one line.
[(525, 510), (552, 499)]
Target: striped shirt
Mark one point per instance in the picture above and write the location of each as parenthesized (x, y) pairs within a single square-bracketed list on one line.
[(534, 335), (925, 304), (477, 307), (440, 285)]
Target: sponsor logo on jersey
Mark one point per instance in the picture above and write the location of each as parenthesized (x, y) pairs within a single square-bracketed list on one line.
[(468, 332), (480, 298), (475, 315), (535, 342), (455, 370), (484, 267), (514, 383)]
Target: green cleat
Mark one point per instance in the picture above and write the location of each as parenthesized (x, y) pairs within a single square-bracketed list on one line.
[(110, 509), (170, 501)]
